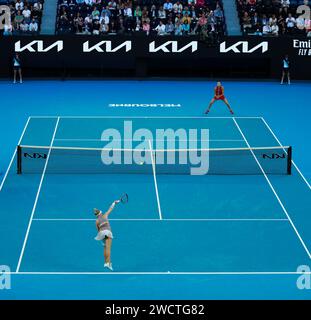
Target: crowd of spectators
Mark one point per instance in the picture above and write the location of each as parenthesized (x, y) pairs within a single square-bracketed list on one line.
[(25, 17), (273, 17), (146, 17)]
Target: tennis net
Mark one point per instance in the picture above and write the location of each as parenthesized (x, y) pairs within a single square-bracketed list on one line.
[(73, 160)]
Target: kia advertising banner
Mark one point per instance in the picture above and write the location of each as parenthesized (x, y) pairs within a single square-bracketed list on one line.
[(147, 52)]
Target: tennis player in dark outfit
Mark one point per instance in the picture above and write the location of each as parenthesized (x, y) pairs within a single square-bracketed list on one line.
[(285, 72), (17, 66)]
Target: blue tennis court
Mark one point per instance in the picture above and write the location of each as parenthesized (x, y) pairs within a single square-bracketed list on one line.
[(176, 232)]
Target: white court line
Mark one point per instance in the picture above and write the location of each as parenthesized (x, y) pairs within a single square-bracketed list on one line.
[(37, 197), (247, 273), (190, 220), (155, 180), (278, 141), (101, 140), (137, 117), (14, 154), (273, 190)]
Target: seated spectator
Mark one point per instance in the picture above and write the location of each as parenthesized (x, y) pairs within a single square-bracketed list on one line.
[(273, 19), (138, 13), (284, 6), (290, 23), (246, 22), (145, 12), (186, 18), (300, 24), (264, 20), (24, 26), (178, 29), (37, 7), (193, 14), (274, 29), (104, 19), (160, 28), (266, 30), (88, 20), (78, 23), (201, 23), (128, 11), (153, 11), (168, 6), (161, 13), (121, 29), (19, 5), (218, 13), (96, 27), (169, 28), (104, 28), (177, 7), (112, 28), (33, 26), (256, 21), (186, 11), (112, 6), (105, 11), (18, 19), (211, 21), (146, 27), (185, 27), (138, 26), (95, 14), (27, 14)]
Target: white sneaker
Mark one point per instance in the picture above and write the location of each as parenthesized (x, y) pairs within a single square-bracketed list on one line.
[(21, 81), (14, 81), (106, 265), (110, 266)]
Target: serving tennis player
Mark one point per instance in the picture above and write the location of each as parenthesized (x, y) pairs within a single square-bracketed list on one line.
[(219, 95), (104, 232)]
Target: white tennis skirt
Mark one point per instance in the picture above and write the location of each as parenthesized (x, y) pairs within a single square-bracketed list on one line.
[(104, 234)]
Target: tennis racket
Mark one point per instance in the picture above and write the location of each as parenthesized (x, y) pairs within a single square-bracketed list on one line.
[(124, 198)]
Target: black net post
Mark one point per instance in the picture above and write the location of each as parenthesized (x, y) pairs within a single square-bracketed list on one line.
[(19, 160), (289, 160)]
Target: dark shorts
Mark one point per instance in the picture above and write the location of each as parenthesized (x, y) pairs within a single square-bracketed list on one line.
[(286, 70), (17, 68)]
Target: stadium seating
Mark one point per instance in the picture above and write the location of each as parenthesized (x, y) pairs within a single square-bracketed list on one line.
[(145, 17), (25, 17), (272, 17)]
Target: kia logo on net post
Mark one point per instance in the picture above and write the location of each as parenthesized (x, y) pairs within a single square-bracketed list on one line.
[(244, 47)]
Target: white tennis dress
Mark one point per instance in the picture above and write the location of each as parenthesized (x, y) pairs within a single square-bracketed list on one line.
[(104, 229)]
